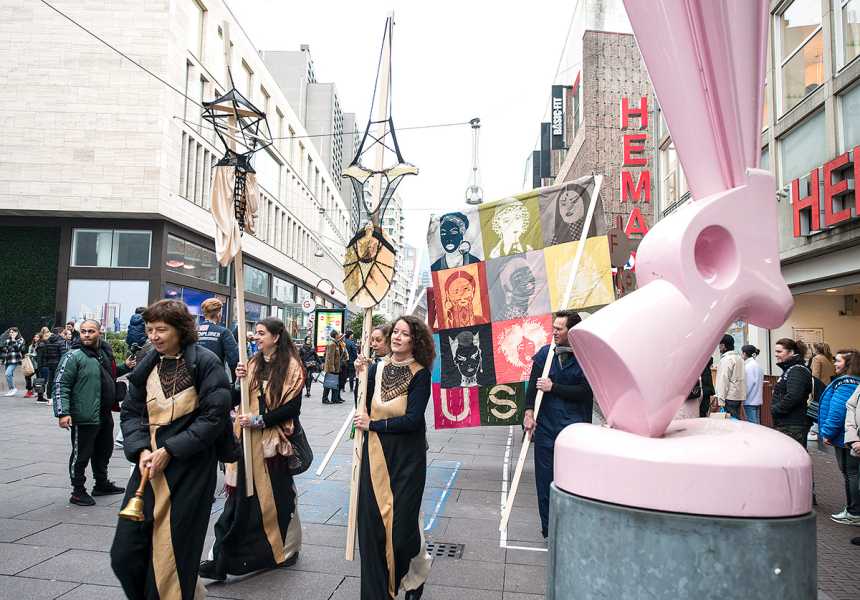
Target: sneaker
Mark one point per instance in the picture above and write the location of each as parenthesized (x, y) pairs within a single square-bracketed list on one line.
[(12, 392), (840, 515), (812, 436), (41, 400), (207, 571), (82, 498), (107, 488), (29, 394), (849, 519)]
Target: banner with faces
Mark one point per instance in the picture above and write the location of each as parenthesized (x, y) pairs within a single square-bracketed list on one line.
[(499, 272)]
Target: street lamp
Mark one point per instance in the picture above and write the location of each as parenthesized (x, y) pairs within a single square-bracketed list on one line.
[(332, 290), (474, 193), (319, 251)]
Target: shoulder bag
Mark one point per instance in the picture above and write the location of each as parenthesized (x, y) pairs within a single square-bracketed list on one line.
[(302, 457)]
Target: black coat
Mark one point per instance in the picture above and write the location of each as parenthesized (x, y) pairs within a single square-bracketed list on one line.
[(790, 393), (210, 424), (49, 352)]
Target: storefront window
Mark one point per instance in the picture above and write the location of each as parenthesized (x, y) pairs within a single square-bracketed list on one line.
[(849, 108), (192, 260), (110, 302), (193, 298), (802, 149), (283, 291), (111, 248), (256, 281), (801, 51), (764, 161), (254, 312), (302, 294), (674, 184), (849, 16)]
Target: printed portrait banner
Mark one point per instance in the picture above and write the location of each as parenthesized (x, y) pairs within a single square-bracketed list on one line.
[(500, 270), (326, 321)]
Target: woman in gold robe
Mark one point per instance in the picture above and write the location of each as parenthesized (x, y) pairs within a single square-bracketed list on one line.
[(394, 465), (262, 531)]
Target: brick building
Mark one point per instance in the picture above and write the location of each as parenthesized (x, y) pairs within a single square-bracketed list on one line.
[(104, 184)]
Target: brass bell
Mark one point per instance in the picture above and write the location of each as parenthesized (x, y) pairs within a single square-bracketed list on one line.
[(133, 511)]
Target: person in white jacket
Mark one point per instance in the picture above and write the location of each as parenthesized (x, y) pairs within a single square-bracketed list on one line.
[(730, 386), (754, 380)]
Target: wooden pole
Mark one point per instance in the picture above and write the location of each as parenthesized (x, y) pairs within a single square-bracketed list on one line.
[(518, 472), (361, 407)]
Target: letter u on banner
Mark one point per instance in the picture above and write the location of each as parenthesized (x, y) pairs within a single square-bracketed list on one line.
[(455, 408)]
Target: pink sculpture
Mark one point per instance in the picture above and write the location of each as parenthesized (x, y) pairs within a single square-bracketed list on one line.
[(714, 260)]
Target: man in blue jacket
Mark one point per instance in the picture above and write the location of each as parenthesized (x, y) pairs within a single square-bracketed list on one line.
[(215, 337), (567, 399)]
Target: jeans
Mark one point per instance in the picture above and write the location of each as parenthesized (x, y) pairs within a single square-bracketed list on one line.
[(796, 432), (850, 468), (47, 373), (335, 395), (733, 407), (10, 376), (753, 414)]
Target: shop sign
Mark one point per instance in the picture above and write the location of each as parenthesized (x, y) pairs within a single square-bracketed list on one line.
[(638, 190), (827, 197), (308, 305), (558, 117)]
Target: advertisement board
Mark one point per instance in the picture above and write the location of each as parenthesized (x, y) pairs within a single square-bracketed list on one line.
[(326, 320)]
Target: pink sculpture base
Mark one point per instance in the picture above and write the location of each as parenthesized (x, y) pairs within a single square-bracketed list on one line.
[(717, 467)]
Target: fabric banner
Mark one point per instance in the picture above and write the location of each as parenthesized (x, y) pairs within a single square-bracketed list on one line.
[(499, 272)]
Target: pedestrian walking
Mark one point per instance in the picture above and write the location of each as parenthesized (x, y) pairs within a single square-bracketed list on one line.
[(30, 365), (50, 352), (852, 432), (821, 363), (394, 557), (175, 438), (262, 531), (332, 366), (84, 395), (215, 337), (135, 337), (831, 429), (309, 358), (730, 384), (12, 351), (791, 391), (567, 399), (352, 354), (73, 332), (754, 377), (707, 391)]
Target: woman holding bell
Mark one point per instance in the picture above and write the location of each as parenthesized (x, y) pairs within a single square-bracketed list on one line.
[(173, 422), (262, 531), (394, 465)]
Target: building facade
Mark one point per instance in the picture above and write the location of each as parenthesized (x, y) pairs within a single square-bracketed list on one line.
[(105, 187)]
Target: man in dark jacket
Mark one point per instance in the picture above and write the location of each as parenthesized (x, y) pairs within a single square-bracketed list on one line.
[(352, 352), (311, 361), (85, 389), (567, 399), (136, 334), (791, 391), (216, 338), (48, 356)]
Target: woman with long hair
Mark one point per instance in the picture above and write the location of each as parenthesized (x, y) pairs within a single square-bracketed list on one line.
[(754, 378), (831, 429), (394, 465), (262, 531), (821, 363), (379, 341)]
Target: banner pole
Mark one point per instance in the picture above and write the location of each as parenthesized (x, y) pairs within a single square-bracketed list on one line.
[(335, 443), (524, 450)]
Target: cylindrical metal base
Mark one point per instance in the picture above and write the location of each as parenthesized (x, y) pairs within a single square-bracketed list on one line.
[(600, 550)]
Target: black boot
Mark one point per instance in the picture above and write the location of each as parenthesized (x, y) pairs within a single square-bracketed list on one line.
[(415, 594), (208, 570), (107, 488), (81, 498)]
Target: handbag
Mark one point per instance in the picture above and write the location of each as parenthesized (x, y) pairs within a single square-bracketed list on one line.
[(813, 403), (302, 457), (27, 366), (332, 381), (696, 392)]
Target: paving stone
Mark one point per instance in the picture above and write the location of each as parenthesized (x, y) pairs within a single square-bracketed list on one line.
[(526, 557), (82, 566), (470, 574), (94, 592), (14, 529), (323, 535), (72, 535), (15, 558), (349, 589), (326, 559), (518, 596), (525, 578), (21, 588), (70, 513), (445, 592), (279, 584)]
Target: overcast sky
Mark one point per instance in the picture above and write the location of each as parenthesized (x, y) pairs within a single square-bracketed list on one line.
[(452, 61)]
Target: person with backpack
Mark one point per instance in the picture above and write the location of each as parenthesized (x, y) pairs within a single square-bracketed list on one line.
[(50, 352), (352, 352), (791, 391), (135, 337), (333, 364)]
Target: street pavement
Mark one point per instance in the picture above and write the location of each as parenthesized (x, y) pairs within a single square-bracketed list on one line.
[(51, 549)]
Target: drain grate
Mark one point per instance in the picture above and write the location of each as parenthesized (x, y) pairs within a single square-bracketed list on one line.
[(445, 550)]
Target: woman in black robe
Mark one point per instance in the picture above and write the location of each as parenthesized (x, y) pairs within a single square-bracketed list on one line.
[(173, 421), (262, 531), (394, 465)]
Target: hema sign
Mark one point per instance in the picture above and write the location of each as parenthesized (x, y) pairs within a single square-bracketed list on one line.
[(827, 197)]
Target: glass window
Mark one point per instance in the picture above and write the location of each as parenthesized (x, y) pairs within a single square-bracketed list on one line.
[(256, 281), (283, 291), (196, 27), (674, 184), (91, 247), (849, 16), (764, 161), (193, 298), (765, 109), (192, 260), (302, 295), (802, 149), (111, 303), (801, 50), (268, 172), (111, 248), (849, 108)]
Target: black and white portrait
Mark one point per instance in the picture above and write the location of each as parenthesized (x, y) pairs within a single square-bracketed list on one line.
[(518, 286), (565, 208), (467, 357), (453, 241)]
